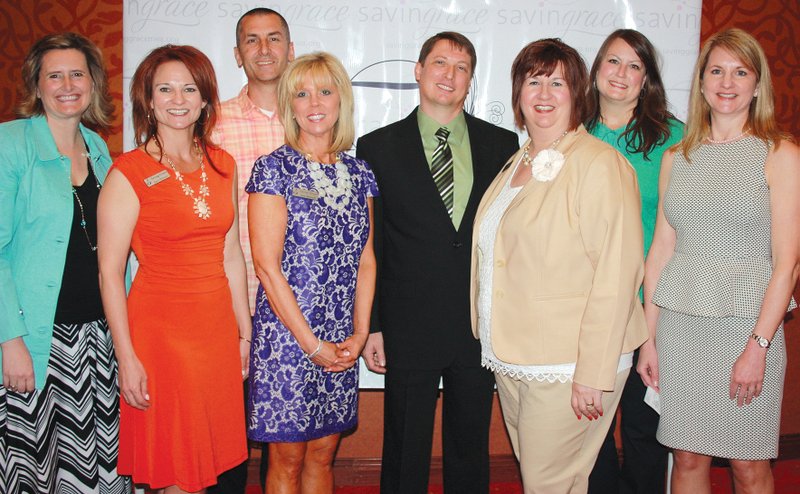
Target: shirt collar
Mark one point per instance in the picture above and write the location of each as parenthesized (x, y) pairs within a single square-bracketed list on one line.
[(429, 126), (46, 144), (248, 107)]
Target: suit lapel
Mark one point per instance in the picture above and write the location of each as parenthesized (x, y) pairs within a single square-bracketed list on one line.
[(482, 174)]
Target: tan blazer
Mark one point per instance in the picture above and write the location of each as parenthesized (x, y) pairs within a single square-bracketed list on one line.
[(568, 263)]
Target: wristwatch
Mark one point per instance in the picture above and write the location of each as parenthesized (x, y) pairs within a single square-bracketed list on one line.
[(762, 342)]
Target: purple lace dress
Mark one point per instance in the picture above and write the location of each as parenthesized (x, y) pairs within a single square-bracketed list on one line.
[(291, 398)]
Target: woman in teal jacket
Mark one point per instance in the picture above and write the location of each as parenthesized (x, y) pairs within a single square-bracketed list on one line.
[(59, 403)]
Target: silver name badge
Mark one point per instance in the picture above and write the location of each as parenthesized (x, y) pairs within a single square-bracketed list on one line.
[(158, 177), (305, 194)]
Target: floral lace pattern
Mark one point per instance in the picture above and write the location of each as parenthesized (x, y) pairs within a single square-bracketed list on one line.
[(291, 398)]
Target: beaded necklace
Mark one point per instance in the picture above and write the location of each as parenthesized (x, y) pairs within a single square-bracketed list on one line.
[(730, 139), (335, 195), (92, 246)]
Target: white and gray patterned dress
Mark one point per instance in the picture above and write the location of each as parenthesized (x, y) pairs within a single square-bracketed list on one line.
[(710, 294)]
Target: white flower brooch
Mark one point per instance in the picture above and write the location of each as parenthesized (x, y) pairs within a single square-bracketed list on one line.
[(545, 165)]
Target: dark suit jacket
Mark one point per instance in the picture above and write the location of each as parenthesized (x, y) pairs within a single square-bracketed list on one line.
[(422, 298)]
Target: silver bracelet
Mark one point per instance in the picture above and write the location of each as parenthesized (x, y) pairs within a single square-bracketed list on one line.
[(315, 352)]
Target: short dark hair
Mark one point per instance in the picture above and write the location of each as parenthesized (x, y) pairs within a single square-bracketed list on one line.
[(542, 58), (101, 108), (261, 11), (457, 40)]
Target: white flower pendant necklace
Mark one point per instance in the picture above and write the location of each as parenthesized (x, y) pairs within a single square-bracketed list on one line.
[(335, 194), (200, 207)]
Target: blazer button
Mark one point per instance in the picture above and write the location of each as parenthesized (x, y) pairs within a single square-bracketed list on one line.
[(499, 293), (457, 245), (500, 263)]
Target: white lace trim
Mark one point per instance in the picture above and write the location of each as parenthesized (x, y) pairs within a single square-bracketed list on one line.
[(551, 373)]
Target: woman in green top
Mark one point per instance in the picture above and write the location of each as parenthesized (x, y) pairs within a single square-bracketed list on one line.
[(628, 109)]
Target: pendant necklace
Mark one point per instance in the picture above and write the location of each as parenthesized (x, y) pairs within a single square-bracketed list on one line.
[(92, 247), (200, 207)]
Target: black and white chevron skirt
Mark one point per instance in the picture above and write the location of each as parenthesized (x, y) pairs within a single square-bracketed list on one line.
[(64, 438)]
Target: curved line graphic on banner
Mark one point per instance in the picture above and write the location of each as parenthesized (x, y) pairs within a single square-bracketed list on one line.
[(404, 86)]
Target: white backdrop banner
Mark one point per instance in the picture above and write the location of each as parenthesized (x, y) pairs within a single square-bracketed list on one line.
[(379, 40)]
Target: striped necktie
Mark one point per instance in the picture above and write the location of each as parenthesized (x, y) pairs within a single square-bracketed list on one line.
[(442, 169)]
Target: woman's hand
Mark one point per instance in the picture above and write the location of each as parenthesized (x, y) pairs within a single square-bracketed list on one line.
[(244, 355), (747, 376), (17, 366), (648, 364), (133, 383), (347, 352), (327, 357), (586, 401)]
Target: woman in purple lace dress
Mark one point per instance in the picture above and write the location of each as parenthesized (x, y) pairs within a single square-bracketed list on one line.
[(310, 213)]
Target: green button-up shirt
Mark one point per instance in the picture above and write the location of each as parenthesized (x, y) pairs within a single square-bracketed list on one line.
[(462, 157)]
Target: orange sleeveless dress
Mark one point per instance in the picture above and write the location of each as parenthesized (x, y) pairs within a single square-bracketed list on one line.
[(184, 332)]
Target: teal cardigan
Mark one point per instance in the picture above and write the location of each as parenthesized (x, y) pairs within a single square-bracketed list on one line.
[(35, 221)]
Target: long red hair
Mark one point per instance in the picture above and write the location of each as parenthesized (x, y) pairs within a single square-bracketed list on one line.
[(199, 66)]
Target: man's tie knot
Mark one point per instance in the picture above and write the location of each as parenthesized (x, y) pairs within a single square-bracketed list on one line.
[(442, 134)]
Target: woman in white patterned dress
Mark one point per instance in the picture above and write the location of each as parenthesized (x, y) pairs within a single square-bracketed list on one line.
[(721, 271)]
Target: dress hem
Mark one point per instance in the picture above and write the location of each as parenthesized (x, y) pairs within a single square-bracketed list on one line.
[(716, 453), (187, 486), (299, 437)]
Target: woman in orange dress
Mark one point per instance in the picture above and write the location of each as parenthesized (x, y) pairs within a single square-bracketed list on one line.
[(172, 200)]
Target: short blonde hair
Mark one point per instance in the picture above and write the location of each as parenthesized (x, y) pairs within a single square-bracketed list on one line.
[(761, 119), (325, 69)]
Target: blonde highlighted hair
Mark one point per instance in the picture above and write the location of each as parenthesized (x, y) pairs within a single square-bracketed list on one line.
[(761, 119), (100, 113), (325, 70)]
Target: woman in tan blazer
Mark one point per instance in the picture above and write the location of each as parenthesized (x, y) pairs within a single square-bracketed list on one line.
[(556, 270)]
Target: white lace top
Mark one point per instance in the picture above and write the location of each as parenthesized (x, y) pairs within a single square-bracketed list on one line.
[(487, 233)]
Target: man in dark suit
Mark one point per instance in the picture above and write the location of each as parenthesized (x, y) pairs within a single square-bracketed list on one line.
[(430, 182)]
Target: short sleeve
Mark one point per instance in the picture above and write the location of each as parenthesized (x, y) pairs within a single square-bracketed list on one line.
[(271, 174), (370, 184)]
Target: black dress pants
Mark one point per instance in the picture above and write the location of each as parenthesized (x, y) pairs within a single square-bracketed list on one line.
[(409, 407)]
